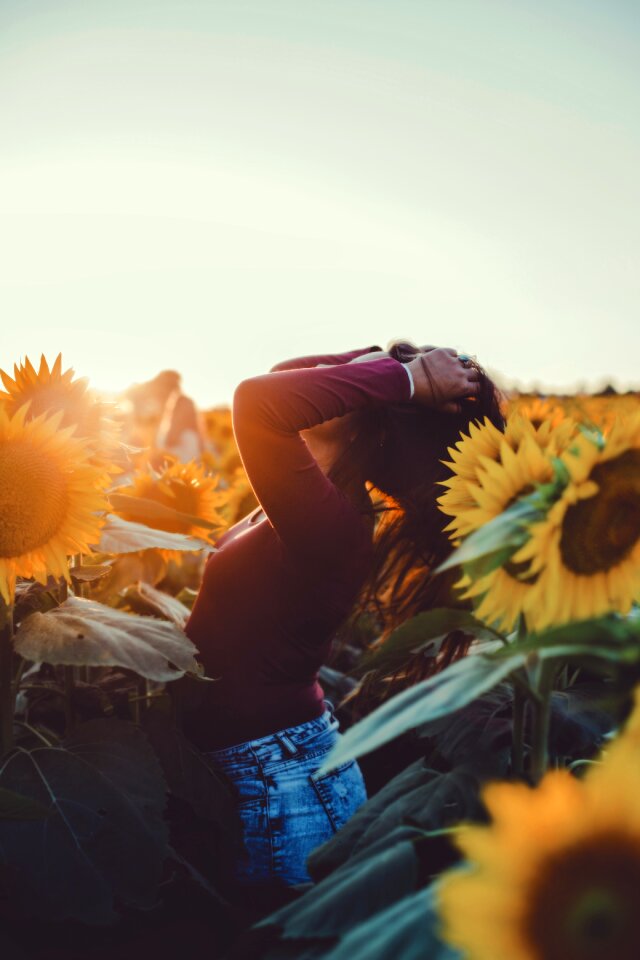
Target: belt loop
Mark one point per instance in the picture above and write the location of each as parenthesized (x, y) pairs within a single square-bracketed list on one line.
[(288, 745)]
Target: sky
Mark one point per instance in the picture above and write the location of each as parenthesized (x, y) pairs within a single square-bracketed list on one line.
[(215, 186)]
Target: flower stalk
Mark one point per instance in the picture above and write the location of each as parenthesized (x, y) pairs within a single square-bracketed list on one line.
[(541, 721), (7, 697)]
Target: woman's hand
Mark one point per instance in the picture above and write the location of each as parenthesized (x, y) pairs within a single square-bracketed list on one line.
[(441, 379)]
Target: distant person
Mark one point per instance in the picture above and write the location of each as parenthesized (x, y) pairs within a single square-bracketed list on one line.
[(180, 432), (165, 419)]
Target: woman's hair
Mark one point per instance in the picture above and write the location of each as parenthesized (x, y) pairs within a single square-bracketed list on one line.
[(400, 449)]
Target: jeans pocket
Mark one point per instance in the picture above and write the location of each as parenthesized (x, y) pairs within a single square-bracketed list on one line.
[(341, 792)]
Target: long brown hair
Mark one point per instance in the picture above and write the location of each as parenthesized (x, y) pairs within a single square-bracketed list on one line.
[(400, 448)]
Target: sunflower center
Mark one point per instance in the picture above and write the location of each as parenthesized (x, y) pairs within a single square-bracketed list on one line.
[(33, 498), (585, 903), (599, 532)]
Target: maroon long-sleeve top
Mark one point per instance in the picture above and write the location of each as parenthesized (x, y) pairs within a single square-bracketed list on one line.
[(284, 577)]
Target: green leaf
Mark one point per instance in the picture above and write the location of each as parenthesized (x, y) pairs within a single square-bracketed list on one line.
[(343, 844), (423, 630), (621, 634), (149, 511), (506, 531), (189, 774), (478, 734), (435, 697), (444, 801), (14, 806), (87, 633), (104, 840), (124, 536), (406, 930), (356, 891)]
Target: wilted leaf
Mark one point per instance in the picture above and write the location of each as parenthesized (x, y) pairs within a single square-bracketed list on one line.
[(86, 633), (442, 694), (146, 597), (87, 573), (32, 596), (150, 511), (124, 536), (104, 839)]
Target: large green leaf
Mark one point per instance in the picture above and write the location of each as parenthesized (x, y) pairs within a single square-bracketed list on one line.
[(188, 774), (150, 512), (423, 632), (358, 890), (478, 733), (14, 806), (85, 632), (620, 635), (104, 839), (506, 532), (444, 801), (341, 846), (435, 697), (406, 930), (124, 536)]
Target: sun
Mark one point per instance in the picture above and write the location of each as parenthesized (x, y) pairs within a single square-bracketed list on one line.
[(51, 498)]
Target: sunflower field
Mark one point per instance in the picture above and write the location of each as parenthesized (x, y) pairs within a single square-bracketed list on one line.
[(503, 821)]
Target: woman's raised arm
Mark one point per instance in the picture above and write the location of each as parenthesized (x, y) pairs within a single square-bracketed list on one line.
[(308, 511)]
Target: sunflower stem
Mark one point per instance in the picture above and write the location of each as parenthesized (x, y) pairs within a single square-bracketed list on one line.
[(7, 697), (542, 715), (517, 742)]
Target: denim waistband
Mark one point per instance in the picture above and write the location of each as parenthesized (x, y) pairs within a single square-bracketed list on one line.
[(280, 745)]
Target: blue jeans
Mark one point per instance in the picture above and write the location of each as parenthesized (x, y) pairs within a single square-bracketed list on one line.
[(286, 809)]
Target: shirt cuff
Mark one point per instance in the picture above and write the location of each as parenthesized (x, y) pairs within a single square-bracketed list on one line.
[(410, 375)]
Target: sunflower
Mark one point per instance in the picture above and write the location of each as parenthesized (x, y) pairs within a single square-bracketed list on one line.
[(472, 453), (50, 390), (50, 498), (500, 595), (183, 487), (540, 410), (556, 875), (585, 554)]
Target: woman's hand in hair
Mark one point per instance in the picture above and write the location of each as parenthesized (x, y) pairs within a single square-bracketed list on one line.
[(441, 381)]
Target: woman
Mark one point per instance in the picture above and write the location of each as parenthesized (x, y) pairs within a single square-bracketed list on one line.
[(311, 434)]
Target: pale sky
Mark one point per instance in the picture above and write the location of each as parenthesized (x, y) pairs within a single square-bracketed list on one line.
[(215, 186)]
